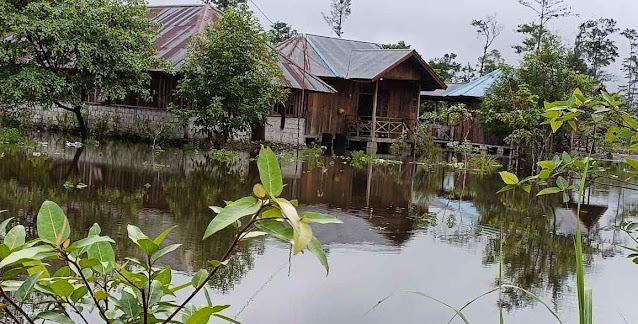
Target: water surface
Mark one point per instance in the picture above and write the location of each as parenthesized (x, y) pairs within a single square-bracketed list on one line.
[(405, 229)]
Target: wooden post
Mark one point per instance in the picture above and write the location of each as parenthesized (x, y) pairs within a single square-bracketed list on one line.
[(374, 111), (372, 145)]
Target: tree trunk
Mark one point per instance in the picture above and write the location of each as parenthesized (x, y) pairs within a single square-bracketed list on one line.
[(84, 132)]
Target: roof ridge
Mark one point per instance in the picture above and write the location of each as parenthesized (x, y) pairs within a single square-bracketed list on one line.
[(344, 39), (175, 5)]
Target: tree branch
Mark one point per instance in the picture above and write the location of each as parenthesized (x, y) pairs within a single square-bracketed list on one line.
[(3, 294), (86, 283)]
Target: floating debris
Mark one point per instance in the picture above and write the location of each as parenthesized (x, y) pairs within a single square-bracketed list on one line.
[(74, 144), (36, 154), (81, 185)]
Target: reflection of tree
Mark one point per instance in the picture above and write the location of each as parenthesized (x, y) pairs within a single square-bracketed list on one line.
[(534, 256)]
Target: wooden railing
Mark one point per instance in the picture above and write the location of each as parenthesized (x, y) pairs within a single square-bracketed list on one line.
[(386, 127)]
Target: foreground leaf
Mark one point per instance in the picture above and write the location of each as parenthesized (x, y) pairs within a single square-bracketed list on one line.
[(270, 172), (52, 225), (315, 247), (231, 213)]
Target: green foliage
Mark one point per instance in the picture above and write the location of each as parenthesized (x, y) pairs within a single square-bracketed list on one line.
[(594, 42), (513, 108), (399, 45), (231, 77), (281, 31), (111, 57), (482, 163), (11, 136), (360, 159), (222, 155), (223, 4), (446, 67), (88, 276)]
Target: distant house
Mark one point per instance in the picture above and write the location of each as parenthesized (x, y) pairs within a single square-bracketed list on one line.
[(378, 91), (177, 25), (471, 94)]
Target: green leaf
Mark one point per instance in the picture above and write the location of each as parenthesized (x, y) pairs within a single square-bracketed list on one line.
[(28, 253), (506, 188), (89, 241), (509, 178), (95, 229), (199, 278), (271, 212), (302, 238), (154, 293), (165, 276), (547, 165), (22, 294), (319, 218), (612, 133), (556, 124), (79, 293), (315, 247), (277, 229), (135, 233), (550, 190), (227, 319), (52, 225), (15, 237), (545, 174), (85, 263), (567, 159), (102, 251), (527, 188), (160, 238), (231, 213), (202, 316), (148, 246), (633, 163), (164, 251), (62, 288), (55, 317), (129, 305), (270, 172), (562, 183), (629, 121), (253, 234), (3, 225)]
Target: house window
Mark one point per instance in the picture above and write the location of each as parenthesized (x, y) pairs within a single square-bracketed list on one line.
[(290, 107)]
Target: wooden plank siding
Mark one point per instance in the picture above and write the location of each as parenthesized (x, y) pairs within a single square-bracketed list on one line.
[(327, 112), (162, 94)]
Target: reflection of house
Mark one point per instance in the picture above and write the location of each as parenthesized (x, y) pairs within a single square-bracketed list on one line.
[(377, 95), (567, 219), (471, 95)]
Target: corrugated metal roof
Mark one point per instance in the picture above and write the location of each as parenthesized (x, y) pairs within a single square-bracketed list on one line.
[(348, 59), (177, 25), (296, 77), (476, 88), (368, 64)]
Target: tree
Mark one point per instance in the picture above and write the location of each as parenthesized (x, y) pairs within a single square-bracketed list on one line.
[(446, 67), (281, 31), (72, 56), (339, 12), (545, 10), (597, 48), (513, 108), (399, 45), (223, 4), (491, 61), (231, 77), (489, 28), (468, 73), (630, 66)]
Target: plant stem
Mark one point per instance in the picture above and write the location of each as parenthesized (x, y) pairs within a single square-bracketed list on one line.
[(3, 294), (214, 271), (12, 316), (86, 283), (76, 311)]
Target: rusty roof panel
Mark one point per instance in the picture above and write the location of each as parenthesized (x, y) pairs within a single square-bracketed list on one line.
[(294, 76), (177, 25)]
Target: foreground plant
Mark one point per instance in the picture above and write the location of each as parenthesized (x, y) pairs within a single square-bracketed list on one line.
[(88, 278)]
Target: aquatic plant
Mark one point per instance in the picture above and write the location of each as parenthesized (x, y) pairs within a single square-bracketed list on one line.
[(11, 136), (132, 290), (482, 163), (222, 155)]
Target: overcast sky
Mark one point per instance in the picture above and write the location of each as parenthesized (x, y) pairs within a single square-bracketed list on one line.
[(434, 28)]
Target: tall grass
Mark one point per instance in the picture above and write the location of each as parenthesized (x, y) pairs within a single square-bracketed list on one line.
[(585, 313)]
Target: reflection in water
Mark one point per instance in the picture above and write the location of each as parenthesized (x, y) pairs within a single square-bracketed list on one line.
[(387, 211)]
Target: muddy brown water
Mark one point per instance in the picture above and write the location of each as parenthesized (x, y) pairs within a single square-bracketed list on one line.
[(405, 229)]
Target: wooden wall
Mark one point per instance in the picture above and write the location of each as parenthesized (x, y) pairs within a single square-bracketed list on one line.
[(327, 112)]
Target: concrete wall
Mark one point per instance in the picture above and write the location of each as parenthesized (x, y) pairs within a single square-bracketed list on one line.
[(293, 132), (146, 122)]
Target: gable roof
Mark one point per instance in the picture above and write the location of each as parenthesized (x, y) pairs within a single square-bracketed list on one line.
[(178, 23), (295, 77), (349, 59), (474, 90)]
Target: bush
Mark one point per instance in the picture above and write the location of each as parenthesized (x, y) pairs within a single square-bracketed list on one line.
[(11, 136)]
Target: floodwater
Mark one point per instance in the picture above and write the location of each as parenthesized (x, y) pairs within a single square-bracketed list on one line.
[(405, 230)]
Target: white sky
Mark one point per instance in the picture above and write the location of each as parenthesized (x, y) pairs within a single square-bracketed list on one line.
[(434, 28)]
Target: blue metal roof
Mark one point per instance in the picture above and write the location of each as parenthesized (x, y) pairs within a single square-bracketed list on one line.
[(476, 88)]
